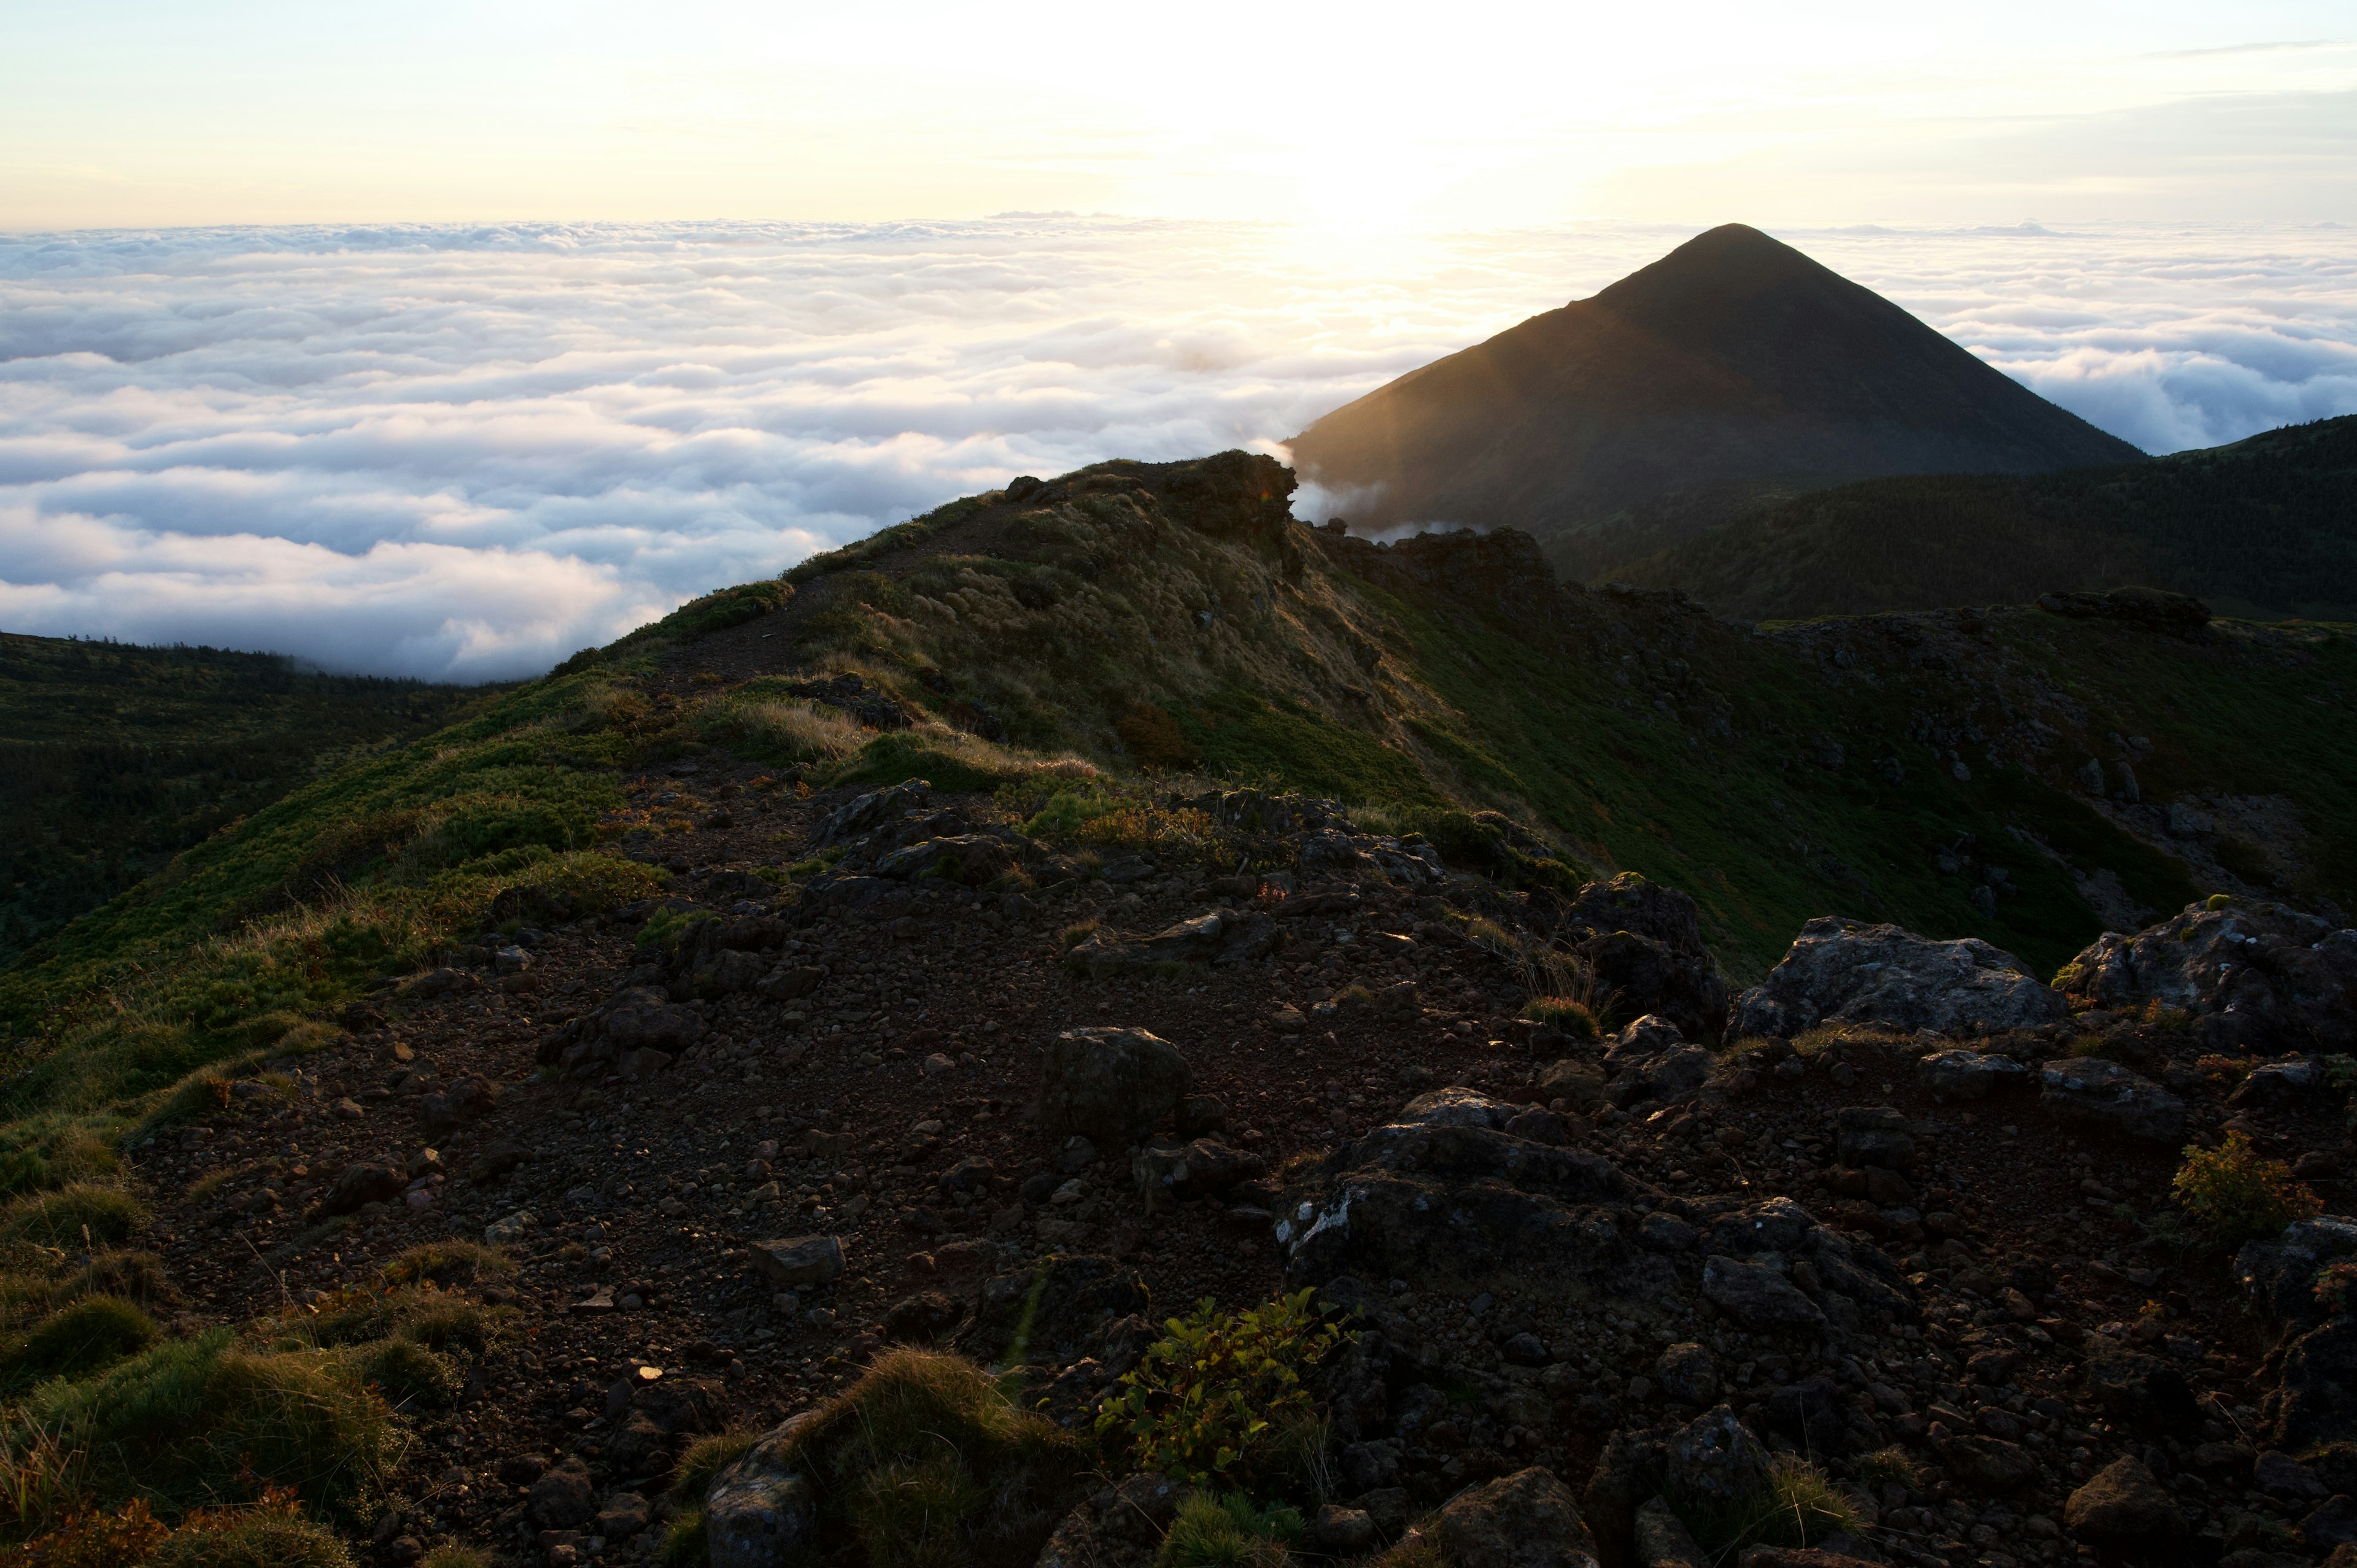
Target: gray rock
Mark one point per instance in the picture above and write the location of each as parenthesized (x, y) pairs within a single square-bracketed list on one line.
[(1663, 1540), (1756, 1294), (1457, 1106), (1967, 1075), (624, 1515), (563, 1496), (1528, 1519), (2280, 1273), (1220, 937), (796, 1260), (1110, 1085), (2332, 1524), (868, 811), (1713, 1462), (2097, 1093), (761, 1511), (2256, 975), (1847, 972), (641, 1017), (1686, 1374), (1342, 1531), (1871, 1135), (2278, 1084), (2279, 1475), (2124, 1510), (1990, 1463)]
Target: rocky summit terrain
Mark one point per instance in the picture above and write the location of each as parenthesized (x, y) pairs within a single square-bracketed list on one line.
[(1901, 1209), (1106, 1026)]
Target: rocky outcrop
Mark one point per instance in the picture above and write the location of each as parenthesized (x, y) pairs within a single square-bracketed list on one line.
[(2256, 976), (1847, 972), (1110, 1086), (1642, 943), (1459, 1198), (2095, 1092), (762, 1511), (2154, 609), (1218, 935)]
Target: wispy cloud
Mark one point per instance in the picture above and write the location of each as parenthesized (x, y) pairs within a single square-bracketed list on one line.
[(466, 451)]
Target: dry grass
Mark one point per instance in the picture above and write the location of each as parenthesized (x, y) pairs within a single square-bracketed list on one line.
[(800, 731)]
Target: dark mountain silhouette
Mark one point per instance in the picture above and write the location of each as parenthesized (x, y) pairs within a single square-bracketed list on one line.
[(1733, 366), (2265, 528)]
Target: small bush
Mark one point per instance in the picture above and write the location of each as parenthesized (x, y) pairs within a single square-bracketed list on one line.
[(924, 1461), (666, 929), (1227, 1531), (107, 1215), (407, 1373), (78, 1339), (271, 1534), (194, 1421), (446, 1263), (1207, 1400), (1798, 1506), (2234, 1194), (1561, 1013), (92, 1539), (1891, 1466)]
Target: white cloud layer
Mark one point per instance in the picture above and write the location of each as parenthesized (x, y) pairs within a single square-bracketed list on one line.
[(464, 452)]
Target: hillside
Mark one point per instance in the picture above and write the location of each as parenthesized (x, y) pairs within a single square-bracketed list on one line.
[(1735, 363), (885, 994), (115, 758), (2265, 527)]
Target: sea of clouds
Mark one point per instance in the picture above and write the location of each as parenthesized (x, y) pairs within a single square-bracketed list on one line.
[(465, 452)]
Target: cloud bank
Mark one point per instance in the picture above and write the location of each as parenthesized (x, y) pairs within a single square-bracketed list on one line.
[(464, 452)]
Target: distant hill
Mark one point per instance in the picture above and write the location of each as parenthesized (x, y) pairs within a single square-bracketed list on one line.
[(113, 759), (1734, 365), (2265, 528)]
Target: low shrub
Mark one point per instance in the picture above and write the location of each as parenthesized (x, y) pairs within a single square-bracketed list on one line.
[(78, 1339), (924, 1461), (1797, 1507), (73, 1217), (1210, 1400), (273, 1533), (446, 1263), (92, 1538), (1562, 1012), (1229, 1531), (405, 1373), (2234, 1194), (190, 1422)]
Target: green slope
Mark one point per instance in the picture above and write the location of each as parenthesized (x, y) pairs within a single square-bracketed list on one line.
[(2266, 527), (1172, 619)]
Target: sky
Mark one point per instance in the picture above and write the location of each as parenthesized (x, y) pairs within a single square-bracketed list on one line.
[(445, 340)]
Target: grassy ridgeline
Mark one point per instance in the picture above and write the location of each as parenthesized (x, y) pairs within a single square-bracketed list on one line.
[(115, 758)]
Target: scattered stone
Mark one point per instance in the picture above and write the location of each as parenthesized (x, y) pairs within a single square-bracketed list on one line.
[(800, 1260), (1871, 1135), (1967, 1075), (2124, 1510), (1687, 1375), (624, 1515), (1756, 1294), (1713, 1463), (563, 1497), (1527, 1519)]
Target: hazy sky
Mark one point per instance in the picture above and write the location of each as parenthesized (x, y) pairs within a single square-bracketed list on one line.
[(136, 112)]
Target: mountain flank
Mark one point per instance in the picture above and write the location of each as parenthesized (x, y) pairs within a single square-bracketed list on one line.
[(1104, 1025), (1733, 367), (2264, 527)]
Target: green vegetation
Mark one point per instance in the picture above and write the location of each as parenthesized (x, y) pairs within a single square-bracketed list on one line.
[(115, 758), (1229, 1531), (78, 1339), (2234, 1194), (1797, 1507), (1220, 1396), (2260, 528)]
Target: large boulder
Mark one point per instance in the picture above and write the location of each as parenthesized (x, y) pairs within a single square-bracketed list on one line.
[(1847, 972), (2123, 1510), (1967, 1075), (761, 1511), (2097, 1093), (1651, 1060), (2256, 975), (1715, 1463), (1110, 1086), (864, 813), (1527, 1519), (1643, 942)]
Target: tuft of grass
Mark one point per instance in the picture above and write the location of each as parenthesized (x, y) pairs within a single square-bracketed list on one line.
[(273, 1533), (1562, 1012), (73, 1216), (794, 731), (2234, 1194), (925, 1461), (447, 1263), (406, 1373), (1891, 1466), (79, 1339), (192, 1422), (1229, 1531), (453, 1557), (1076, 933), (1798, 1506)]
